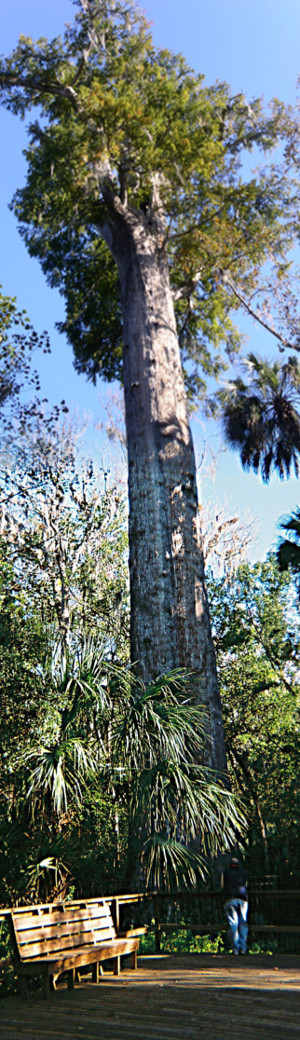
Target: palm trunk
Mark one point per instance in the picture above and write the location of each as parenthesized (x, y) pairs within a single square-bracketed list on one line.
[(170, 626)]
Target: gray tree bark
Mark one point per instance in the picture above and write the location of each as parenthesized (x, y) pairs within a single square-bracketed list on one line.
[(170, 625)]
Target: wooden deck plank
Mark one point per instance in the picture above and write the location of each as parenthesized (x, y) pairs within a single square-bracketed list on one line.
[(169, 998)]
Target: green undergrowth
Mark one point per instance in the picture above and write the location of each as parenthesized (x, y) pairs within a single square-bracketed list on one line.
[(8, 981), (184, 941)]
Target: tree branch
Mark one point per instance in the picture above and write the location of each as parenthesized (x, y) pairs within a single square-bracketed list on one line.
[(186, 290), (31, 84), (257, 315)]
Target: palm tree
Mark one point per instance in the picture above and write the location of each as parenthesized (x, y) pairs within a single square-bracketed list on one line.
[(65, 756), (139, 748), (178, 814), (288, 552), (260, 418)]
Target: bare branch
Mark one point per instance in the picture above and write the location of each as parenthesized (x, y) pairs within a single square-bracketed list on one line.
[(256, 314)]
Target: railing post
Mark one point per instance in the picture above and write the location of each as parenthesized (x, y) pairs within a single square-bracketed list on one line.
[(157, 923), (115, 910)]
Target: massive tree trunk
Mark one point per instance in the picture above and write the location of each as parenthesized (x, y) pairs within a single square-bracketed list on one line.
[(170, 626)]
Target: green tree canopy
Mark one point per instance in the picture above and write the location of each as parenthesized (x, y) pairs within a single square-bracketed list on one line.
[(117, 117)]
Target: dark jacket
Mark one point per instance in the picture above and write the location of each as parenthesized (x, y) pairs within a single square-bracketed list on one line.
[(235, 881)]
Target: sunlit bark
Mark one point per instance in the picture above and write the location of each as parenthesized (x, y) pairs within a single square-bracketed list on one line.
[(170, 624)]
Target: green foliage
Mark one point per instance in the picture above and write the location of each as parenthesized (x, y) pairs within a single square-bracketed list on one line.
[(127, 816), (63, 617), (65, 536), (23, 650), (120, 120), (256, 624), (99, 775), (18, 344), (8, 981), (173, 800), (269, 947), (182, 941)]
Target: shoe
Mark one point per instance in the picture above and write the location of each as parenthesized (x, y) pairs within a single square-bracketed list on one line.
[(242, 952), (235, 953)]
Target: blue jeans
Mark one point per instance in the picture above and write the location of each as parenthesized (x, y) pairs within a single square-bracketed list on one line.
[(236, 911)]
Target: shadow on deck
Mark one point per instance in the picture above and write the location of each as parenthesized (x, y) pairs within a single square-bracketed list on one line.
[(169, 998)]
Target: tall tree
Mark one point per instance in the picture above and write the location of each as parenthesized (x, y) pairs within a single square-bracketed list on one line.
[(135, 206)]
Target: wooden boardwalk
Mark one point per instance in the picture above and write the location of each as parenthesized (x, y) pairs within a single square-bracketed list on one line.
[(169, 998)]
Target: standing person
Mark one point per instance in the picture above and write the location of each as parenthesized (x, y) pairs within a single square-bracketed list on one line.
[(236, 905)]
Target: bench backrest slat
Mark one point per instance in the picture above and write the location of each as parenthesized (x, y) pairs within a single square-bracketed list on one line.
[(60, 917), (48, 932), (102, 931), (48, 947), (44, 945)]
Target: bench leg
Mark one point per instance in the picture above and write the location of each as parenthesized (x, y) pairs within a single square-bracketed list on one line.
[(97, 971), (71, 978), (117, 965), (46, 986), (133, 960), (24, 988)]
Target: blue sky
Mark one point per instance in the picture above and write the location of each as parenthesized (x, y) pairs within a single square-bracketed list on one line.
[(251, 44)]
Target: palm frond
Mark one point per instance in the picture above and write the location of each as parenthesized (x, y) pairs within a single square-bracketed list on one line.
[(161, 721), (169, 864), (261, 420), (60, 773)]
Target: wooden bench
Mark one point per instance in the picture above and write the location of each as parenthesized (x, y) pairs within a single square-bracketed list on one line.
[(58, 938)]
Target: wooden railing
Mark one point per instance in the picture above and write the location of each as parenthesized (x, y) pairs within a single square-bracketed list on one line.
[(271, 912)]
